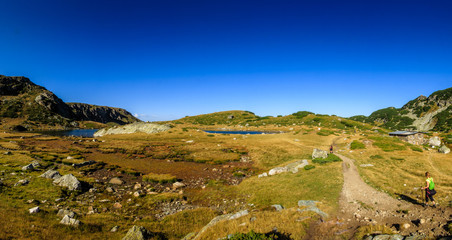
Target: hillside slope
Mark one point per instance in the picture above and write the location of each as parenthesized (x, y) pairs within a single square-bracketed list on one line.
[(34, 105), (422, 114)]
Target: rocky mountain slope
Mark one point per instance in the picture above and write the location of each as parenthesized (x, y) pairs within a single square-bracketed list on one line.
[(34, 105), (421, 114)]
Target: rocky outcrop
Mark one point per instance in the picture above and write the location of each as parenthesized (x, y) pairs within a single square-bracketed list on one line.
[(102, 114), (133, 128), (13, 86)]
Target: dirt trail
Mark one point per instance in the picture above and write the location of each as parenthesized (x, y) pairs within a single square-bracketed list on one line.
[(361, 204)]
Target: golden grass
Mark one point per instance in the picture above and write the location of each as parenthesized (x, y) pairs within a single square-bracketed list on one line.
[(288, 221)]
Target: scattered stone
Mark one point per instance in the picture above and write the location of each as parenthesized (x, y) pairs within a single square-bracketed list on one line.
[(22, 182), (218, 219), (28, 167), (35, 164), (109, 189), (34, 210), (137, 186), (70, 221), (421, 221), (69, 181), (278, 207), (307, 203), (116, 181), (245, 159), (51, 174), (277, 170), (317, 153), (114, 229), (406, 225), (117, 205), (137, 193), (189, 141), (262, 175), (444, 149), (137, 233), (434, 141), (366, 165), (177, 185), (70, 157), (8, 153)]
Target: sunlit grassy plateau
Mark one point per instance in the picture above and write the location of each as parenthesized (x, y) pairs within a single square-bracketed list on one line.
[(220, 173)]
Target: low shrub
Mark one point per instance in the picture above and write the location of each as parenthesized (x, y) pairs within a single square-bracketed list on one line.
[(330, 158), (376, 157), (309, 167)]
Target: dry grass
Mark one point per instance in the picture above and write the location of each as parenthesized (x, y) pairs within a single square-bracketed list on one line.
[(160, 178), (288, 221)]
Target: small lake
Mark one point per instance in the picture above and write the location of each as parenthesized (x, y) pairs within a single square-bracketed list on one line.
[(73, 132), (240, 132)]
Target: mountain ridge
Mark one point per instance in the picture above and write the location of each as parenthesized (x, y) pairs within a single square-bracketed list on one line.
[(20, 98)]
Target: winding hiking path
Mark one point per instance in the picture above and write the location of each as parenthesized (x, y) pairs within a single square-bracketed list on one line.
[(361, 204)]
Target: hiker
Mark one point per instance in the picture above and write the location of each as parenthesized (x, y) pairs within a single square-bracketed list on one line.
[(331, 149), (429, 189)]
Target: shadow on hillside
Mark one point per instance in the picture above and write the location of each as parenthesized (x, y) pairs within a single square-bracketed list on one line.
[(409, 199)]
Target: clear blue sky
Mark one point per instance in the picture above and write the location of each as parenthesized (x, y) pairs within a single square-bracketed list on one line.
[(165, 59)]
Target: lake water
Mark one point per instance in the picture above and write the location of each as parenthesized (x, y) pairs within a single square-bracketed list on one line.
[(73, 132), (240, 132)]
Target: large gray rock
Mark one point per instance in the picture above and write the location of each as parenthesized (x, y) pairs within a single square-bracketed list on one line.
[(70, 221), (137, 233), (28, 167), (317, 153), (51, 174), (444, 149), (434, 141), (69, 181), (64, 212), (221, 218), (277, 170), (293, 167), (34, 210)]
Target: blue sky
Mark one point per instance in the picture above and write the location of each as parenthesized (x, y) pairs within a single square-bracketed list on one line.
[(165, 59)]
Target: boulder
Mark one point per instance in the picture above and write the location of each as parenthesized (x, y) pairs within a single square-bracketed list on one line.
[(70, 221), (177, 185), (28, 167), (434, 141), (114, 229), (34, 210), (293, 167), (35, 164), (51, 174), (444, 149), (64, 212), (317, 153), (278, 207), (137, 233), (262, 175), (69, 181), (277, 170), (22, 182), (116, 181)]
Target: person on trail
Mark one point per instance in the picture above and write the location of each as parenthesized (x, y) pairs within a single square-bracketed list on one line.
[(331, 149), (429, 189)]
